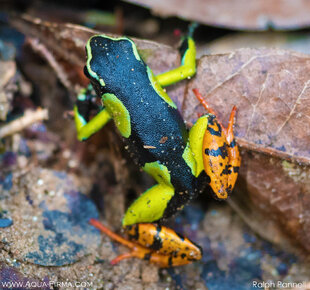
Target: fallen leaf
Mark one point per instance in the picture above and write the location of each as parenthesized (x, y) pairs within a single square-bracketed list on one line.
[(273, 198), (271, 89), (297, 41), (237, 14)]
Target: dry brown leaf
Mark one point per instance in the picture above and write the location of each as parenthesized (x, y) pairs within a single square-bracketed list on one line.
[(238, 14), (296, 41), (271, 89), (272, 196)]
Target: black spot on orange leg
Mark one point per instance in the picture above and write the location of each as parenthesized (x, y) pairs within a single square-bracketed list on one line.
[(147, 256), (135, 235), (227, 170), (215, 128), (229, 131), (157, 243), (220, 151)]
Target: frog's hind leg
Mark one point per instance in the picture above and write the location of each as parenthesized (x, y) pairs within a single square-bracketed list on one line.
[(220, 153), (157, 244)]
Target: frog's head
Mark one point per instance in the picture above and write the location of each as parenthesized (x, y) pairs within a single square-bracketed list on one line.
[(111, 62)]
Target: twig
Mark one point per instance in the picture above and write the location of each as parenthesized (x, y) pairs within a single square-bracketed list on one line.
[(21, 123)]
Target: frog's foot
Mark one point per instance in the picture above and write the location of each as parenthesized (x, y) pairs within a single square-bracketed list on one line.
[(220, 153), (157, 244), (85, 103)]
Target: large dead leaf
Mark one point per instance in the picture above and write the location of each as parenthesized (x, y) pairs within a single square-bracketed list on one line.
[(271, 89), (296, 41), (239, 14), (273, 197)]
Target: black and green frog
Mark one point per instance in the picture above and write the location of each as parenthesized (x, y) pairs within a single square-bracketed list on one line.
[(182, 162)]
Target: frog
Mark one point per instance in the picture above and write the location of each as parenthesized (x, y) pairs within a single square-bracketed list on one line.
[(182, 162)]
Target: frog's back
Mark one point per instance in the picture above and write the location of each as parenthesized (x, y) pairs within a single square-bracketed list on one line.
[(155, 122), (158, 132)]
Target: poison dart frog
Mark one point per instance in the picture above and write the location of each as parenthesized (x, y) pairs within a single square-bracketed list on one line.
[(182, 163)]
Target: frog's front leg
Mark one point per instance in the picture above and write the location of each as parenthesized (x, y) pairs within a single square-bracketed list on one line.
[(82, 108), (188, 62)]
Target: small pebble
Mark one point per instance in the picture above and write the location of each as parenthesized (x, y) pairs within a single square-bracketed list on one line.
[(4, 223)]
